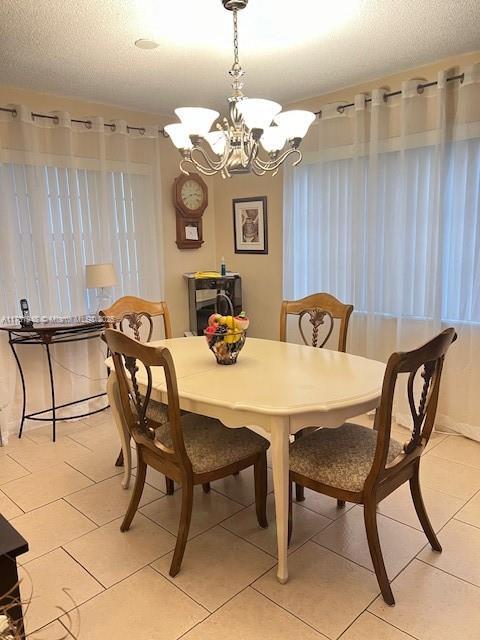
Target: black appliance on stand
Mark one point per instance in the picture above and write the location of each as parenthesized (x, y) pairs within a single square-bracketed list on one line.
[(206, 295)]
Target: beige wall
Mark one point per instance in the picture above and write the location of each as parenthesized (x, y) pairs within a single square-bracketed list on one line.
[(176, 261), (263, 275)]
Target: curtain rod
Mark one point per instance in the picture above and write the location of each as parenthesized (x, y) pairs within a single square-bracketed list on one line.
[(87, 123), (341, 108), (420, 88)]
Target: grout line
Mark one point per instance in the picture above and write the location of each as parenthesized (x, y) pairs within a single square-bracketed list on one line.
[(392, 625), (463, 464), (434, 566)]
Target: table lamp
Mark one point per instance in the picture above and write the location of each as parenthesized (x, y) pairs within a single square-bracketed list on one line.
[(101, 277)]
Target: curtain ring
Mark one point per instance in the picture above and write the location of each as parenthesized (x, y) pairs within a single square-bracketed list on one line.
[(462, 78), (420, 88), (142, 131), (14, 113), (56, 120), (340, 108), (88, 124), (113, 127)]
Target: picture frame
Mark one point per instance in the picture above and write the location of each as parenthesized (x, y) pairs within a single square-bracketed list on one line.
[(250, 228)]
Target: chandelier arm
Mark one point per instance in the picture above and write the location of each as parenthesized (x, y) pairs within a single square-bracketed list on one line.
[(212, 164), (271, 165)]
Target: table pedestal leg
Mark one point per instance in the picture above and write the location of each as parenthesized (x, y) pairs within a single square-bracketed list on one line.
[(280, 443)]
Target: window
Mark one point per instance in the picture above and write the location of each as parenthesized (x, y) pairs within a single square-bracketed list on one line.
[(59, 220), (392, 237)]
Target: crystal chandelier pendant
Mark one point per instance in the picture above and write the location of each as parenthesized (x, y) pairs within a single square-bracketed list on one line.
[(255, 137)]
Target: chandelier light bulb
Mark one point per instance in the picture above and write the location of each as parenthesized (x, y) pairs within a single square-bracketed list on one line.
[(178, 135)]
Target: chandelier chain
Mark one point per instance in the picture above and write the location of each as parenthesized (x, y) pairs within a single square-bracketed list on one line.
[(235, 39)]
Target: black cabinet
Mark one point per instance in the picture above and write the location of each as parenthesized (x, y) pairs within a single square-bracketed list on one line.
[(207, 296)]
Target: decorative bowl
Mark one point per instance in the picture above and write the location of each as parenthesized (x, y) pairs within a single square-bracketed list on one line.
[(225, 346)]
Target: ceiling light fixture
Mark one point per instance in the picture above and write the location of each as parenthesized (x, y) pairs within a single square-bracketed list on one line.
[(144, 43), (253, 124)]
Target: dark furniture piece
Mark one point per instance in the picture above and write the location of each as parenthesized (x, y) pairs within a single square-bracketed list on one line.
[(320, 310), (364, 465), (190, 449), (12, 545), (206, 296), (47, 334)]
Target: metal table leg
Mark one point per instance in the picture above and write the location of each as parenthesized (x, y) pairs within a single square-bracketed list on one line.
[(52, 390), (24, 392)]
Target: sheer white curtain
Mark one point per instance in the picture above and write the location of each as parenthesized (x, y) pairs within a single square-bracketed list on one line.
[(72, 194), (384, 213)]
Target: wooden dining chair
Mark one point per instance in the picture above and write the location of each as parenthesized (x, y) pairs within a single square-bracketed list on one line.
[(191, 449), (134, 316), (315, 312), (365, 465)]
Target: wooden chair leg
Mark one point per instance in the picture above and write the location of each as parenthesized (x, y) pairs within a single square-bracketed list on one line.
[(421, 511), (119, 460), (299, 490), (183, 527), (170, 486), (290, 514), (206, 487), (340, 504), (370, 516), (137, 492), (260, 474)]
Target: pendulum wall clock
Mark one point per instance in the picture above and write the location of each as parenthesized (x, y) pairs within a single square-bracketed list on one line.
[(190, 197)]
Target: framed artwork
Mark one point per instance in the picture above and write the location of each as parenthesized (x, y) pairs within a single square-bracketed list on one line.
[(250, 225)]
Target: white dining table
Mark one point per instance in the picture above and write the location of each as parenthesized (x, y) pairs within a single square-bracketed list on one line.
[(277, 386)]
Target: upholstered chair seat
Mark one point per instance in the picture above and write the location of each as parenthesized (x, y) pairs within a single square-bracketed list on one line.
[(340, 458), (210, 445)]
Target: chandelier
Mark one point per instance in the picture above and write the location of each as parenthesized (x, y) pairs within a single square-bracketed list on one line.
[(257, 136)]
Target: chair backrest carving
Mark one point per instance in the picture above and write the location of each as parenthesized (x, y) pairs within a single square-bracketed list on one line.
[(135, 313), (133, 363), (319, 310), (428, 360)]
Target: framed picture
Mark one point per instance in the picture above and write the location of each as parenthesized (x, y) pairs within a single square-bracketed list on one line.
[(250, 225)]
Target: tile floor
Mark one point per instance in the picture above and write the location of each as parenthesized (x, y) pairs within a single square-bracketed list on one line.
[(83, 574)]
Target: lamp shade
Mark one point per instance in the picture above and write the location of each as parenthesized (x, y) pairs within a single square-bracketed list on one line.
[(178, 135), (295, 123), (197, 120), (257, 112), (273, 139), (100, 275), (217, 141)]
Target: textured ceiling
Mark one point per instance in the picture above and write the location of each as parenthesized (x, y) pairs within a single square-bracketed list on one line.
[(291, 49)]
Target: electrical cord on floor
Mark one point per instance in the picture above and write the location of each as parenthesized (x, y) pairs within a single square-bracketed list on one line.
[(82, 375)]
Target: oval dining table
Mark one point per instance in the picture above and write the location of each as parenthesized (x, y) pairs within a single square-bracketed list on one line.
[(277, 386)]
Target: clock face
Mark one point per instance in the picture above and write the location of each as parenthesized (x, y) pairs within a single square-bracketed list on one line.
[(191, 194)]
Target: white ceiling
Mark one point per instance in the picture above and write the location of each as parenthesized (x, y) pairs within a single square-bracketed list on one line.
[(291, 49)]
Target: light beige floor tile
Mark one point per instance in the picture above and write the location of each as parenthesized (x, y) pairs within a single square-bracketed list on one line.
[(8, 509), (111, 555), (107, 500), (41, 456), (471, 512), (44, 435), (324, 505), (49, 576), (241, 488), (440, 507), (14, 443), (449, 477), (146, 606), (50, 527), (251, 616), (216, 566), (154, 479), (45, 486), (53, 631), (10, 470), (208, 510), (459, 449), (432, 605), (461, 551), (98, 419), (306, 524), (368, 627), (324, 590), (347, 536), (96, 465), (98, 435)]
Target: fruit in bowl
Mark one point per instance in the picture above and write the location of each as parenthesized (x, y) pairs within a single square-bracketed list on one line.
[(226, 336)]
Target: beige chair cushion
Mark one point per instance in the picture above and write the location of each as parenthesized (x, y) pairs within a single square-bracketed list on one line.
[(210, 445), (340, 458)]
